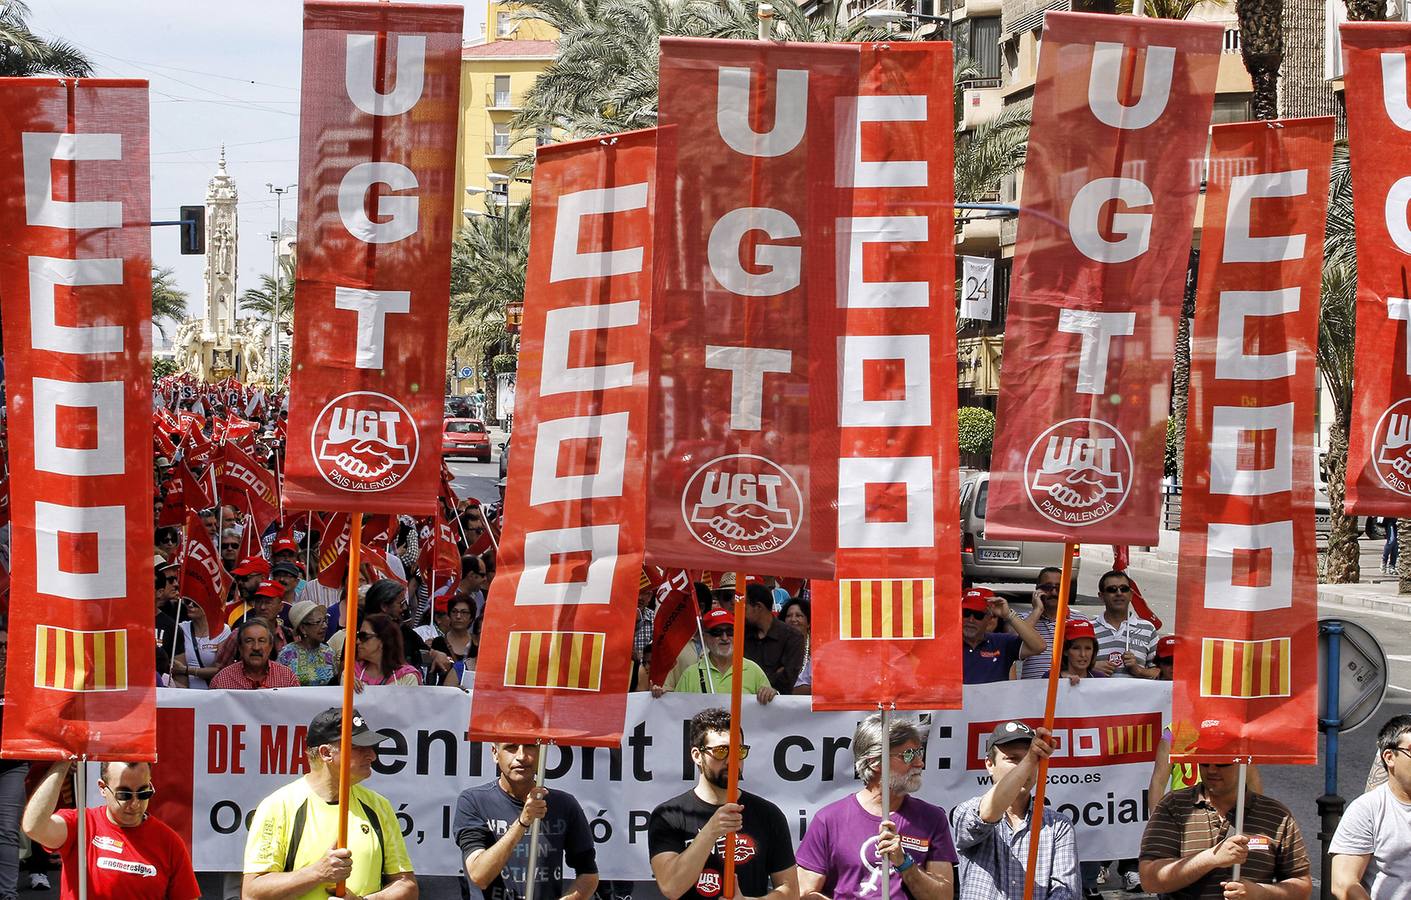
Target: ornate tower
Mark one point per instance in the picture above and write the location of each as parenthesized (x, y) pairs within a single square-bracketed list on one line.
[(222, 229)]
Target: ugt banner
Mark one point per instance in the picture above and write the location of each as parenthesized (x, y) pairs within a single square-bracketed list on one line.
[(893, 611), (1247, 592), (1114, 169), (744, 418), (377, 208), (556, 645), (222, 751), (1378, 117), (75, 297)]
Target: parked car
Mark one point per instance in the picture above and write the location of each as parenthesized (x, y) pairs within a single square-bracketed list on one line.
[(994, 562), (458, 407), (465, 437), (505, 459)]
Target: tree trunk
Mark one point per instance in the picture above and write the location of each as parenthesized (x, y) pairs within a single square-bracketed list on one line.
[(1264, 102), (1180, 391), (1403, 560), (1366, 10), (1344, 554)]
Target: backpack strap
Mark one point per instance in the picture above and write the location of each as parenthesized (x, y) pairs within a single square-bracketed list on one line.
[(295, 834), (376, 824)]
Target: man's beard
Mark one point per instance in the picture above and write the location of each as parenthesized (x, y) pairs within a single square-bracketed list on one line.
[(907, 783), (720, 779)]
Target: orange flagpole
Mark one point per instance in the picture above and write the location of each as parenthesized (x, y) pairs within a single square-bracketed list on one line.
[(1036, 812), (732, 784), (350, 652)]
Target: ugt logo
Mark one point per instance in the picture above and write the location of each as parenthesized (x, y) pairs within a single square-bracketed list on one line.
[(1391, 447), (364, 441), (1078, 471), (742, 504)]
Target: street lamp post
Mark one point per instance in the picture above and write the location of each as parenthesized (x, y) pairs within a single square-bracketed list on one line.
[(883, 18), (279, 193)]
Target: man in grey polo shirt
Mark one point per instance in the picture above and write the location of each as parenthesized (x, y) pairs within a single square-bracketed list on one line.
[(1126, 643), (1374, 836)]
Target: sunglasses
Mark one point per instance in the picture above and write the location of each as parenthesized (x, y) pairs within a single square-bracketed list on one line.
[(168, 582), (1117, 589), (910, 756), (721, 752), (127, 795), (364, 636), (973, 614), (1047, 588), (230, 546), (720, 632)]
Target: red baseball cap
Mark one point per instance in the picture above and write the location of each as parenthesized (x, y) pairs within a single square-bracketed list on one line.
[(285, 545), (251, 565), (977, 599), (1166, 647), (269, 589), (716, 618), (1074, 629)]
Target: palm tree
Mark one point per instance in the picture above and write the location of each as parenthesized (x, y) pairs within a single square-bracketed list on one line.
[(984, 155), (168, 301), (1336, 325), (24, 53), (260, 301)]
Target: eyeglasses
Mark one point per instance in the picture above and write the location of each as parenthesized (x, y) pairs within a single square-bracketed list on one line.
[(364, 636), (315, 623), (722, 751), (909, 756), (720, 632), (1406, 750), (1117, 589), (230, 546), (127, 795), (460, 612), (1046, 588), (973, 614)]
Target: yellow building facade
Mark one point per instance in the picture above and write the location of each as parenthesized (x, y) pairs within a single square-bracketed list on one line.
[(495, 75)]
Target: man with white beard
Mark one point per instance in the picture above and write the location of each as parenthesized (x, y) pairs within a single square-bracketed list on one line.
[(844, 849)]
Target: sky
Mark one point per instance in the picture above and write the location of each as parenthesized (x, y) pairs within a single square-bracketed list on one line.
[(220, 73)]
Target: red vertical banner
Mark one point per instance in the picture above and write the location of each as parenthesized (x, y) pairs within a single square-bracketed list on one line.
[(744, 334), (1120, 117), (1379, 444), (1247, 590), (893, 611), (556, 644), (381, 89), (75, 297)]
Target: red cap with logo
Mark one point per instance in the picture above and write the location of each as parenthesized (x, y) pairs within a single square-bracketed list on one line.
[(716, 618), (1166, 647), (269, 589), (977, 599), (285, 545), (1074, 629), (251, 565)]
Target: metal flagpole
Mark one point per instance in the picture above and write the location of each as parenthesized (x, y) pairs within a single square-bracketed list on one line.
[(886, 787), (490, 532), (1036, 812), (529, 873), (705, 655), (732, 771), (80, 799), (350, 652), (1239, 812)]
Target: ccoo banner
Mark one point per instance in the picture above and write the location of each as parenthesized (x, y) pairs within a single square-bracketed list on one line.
[(1247, 599), (224, 750), (1379, 445), (376, 211), (744, 419), (75, 297), (1110, 188), (977, 288), (893, 610), (557, 638)]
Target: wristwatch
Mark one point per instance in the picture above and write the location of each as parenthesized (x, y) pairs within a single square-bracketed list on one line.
[(907, 861)]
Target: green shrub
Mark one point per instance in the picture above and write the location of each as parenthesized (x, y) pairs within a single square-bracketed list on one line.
[(976, 426)]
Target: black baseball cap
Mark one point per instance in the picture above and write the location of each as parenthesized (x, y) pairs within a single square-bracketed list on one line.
[(327, 728), (1008, 733)]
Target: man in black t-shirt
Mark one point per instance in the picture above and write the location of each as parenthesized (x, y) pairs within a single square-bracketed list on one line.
[(686, 835), (492, 825)]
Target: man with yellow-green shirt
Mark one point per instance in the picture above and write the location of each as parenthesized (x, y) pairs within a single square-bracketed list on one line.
[(712, 672), (290, 853)]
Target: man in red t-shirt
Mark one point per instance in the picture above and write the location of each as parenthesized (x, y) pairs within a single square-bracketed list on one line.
[(130, 855)]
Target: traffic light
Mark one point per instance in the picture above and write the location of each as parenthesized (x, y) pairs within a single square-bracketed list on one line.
[(193, 231)]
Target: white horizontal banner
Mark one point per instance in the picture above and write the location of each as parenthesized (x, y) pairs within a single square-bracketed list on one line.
[(244, 744)]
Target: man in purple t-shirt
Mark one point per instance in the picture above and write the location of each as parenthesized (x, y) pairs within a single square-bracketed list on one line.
[(843, 850)]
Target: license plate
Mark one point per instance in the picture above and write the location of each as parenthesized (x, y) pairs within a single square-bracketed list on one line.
[(998, 555)]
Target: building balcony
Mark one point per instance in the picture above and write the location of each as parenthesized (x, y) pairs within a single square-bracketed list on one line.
[(981, 100), (501, 102), (966, 9)]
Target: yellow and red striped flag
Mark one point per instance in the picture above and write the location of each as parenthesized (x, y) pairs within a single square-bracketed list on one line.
[(80, 661), (566, 660), (1245, 669), (884, 609)]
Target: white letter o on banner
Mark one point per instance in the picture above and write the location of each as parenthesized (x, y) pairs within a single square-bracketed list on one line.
[(1134, 227), (782, 263)]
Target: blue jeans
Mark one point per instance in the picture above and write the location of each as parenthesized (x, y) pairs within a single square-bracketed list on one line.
[(11, 803), (1391, 549)]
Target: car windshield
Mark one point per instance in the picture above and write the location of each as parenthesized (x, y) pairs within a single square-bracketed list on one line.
[(464, 427), (982, 497)]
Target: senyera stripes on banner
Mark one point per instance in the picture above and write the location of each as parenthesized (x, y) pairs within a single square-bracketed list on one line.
[(75, 297), (377, 210), (1246, 594), (893, 612), (744, 421), (558, 628), (1379, 443), (1110, 189)]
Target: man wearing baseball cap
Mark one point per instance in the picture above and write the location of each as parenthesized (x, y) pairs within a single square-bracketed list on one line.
[(711, 673), (288, 853), (990, 655), (1165, 656), (991, 831)]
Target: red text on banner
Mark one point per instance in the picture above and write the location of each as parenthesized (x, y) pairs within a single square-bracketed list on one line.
[(376, 213), (1110, 187), (75, 297), (557, 639), (1247, 592)]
